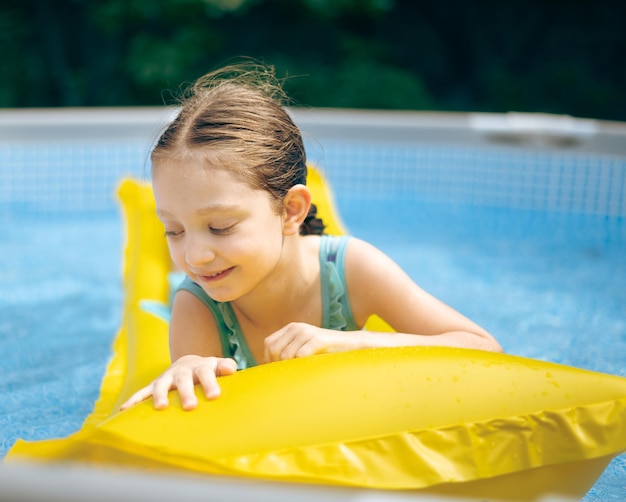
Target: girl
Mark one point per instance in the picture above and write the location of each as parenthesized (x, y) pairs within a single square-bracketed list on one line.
[(263, 283)]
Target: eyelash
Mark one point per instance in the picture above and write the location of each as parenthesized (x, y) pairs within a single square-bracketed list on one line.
[(216, 231), (222, 231)]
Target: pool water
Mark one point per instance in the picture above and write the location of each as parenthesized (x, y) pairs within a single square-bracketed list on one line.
[(531, 244), (547, 286), (60, 307)]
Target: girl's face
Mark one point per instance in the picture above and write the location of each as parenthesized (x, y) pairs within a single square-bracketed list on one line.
[(223, 234)]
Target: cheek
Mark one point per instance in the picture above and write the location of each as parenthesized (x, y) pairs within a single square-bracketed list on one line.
[(261, 248), (241, 250), (177, 254), (261, 237)]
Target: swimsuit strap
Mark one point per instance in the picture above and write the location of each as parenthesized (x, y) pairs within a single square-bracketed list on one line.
[(231, 337), (336, 311), (336, 314)]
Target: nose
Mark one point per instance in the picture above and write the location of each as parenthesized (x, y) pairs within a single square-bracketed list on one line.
[(198, 250)]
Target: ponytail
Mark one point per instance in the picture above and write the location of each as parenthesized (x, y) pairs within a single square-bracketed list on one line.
[(312, 225)]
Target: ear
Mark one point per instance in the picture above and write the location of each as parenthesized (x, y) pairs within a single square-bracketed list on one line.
[(296, 206)]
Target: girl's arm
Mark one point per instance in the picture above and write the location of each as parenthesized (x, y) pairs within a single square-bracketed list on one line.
[(194, 347), (377, 285)]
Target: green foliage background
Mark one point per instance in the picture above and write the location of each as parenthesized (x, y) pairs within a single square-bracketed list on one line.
[(552, 56)]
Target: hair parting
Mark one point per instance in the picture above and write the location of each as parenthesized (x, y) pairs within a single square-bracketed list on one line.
[(238, 112)]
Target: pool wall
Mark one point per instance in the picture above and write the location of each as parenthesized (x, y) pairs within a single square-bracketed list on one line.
[(71, 160)]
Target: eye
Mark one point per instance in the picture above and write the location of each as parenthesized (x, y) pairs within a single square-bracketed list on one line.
[(172, 233), (222, 230)]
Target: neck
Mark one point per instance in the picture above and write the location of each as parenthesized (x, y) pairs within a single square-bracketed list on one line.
[(291, 293)]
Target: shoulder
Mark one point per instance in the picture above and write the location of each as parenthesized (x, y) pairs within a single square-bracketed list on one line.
[(361, 255), (373, 280), (365, 264), (333, 244), (193, 327)]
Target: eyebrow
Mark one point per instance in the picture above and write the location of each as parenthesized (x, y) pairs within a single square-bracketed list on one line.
[(218, 208), (212, 208)]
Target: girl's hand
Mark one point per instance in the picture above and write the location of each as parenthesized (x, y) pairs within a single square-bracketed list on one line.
[(184, 373), (299, 339)]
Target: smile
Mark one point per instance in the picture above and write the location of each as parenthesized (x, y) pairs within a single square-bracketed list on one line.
[(216, 276)]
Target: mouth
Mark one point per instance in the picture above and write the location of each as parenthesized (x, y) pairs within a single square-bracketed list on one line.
[(215, 276)]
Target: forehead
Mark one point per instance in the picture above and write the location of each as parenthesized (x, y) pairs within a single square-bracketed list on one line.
[(190, 184), (193, 168), (201, 159)]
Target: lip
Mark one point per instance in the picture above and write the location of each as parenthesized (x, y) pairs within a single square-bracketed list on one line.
[(215, 276)]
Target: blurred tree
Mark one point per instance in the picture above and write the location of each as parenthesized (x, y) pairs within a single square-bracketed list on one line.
[(536, 55)]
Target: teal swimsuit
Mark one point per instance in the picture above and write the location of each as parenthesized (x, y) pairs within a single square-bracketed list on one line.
[(336, 312)]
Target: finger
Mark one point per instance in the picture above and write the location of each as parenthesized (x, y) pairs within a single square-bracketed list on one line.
[(318, 344), (275, 344), (160, 389), (208, 381), (184, 382), (322, 341), (267, 347), (137, 397), (291, 350), (301, 342), (309, 348), (226, 367)]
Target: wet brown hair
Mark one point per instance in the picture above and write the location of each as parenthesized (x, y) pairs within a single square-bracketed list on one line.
[(238, 111)]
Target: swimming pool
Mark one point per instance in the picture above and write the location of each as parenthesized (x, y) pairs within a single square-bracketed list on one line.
[(528, 239)]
